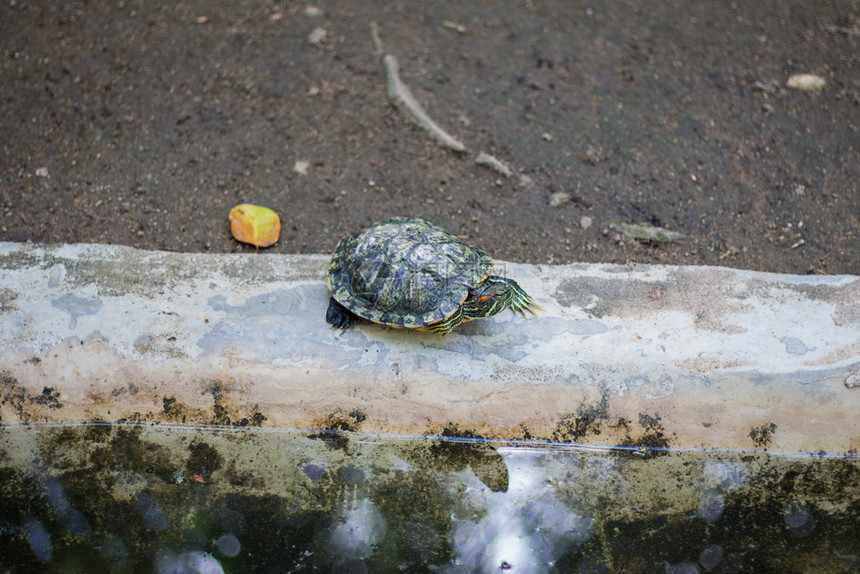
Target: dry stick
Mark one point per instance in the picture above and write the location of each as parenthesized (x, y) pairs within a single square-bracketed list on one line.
[(377, 41), (489, 161), (408, 105), (405, 101), (402, 97)]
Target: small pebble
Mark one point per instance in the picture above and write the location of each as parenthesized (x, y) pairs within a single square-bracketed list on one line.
[(585, 222), (313, 11), (316, 36), (547, 137), (526, 181), (301, 167), (766, 87), (593, 155), (42, 172), (559, 198), (807, 82), (646, 232), (454, 26)]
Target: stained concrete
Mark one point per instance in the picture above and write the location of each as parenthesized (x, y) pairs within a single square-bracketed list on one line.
[(688, 357)]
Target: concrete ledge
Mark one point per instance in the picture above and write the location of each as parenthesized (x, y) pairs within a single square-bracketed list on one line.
[(689, 357)]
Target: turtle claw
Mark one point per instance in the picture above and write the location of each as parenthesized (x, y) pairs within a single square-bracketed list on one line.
[(529, 306), (338, 316), (522, 302)]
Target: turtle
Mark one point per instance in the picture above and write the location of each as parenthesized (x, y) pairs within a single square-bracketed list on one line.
[(407, 272)]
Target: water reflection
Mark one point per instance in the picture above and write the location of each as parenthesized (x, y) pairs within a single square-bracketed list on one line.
[(38, 539), (710, 556), (194, 562), (725, 474), (150, 512), (125, 499), (711, 506), (525, 529), (228, 545), (357, 527), (798, 519)]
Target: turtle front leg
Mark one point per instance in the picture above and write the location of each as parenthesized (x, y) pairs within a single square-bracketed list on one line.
[(445, 326), (339, 316)]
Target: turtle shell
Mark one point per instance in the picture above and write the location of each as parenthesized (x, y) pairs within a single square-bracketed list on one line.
[(405, 272)]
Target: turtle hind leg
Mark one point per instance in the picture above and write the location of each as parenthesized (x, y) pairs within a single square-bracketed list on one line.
[(339, 316)]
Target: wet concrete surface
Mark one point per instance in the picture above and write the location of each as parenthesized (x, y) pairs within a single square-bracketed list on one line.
[(638, 356)]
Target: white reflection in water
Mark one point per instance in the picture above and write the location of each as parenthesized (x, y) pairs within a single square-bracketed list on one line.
[(195, 562), (525, 530), (682, 568), (711, 506), (726, 474), (359, 525)]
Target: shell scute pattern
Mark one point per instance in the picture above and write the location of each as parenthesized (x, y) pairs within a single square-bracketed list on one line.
[(405, 272)]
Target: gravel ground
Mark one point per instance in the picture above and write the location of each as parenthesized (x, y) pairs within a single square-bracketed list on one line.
[(144, 123)]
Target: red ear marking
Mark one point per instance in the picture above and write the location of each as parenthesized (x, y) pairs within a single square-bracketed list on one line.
[(484, 298)]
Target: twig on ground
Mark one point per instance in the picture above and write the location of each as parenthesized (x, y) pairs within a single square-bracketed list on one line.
[(402, 97), (489, 161), (377, 41)]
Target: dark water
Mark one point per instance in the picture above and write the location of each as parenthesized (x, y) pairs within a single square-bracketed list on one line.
[(107, 498)]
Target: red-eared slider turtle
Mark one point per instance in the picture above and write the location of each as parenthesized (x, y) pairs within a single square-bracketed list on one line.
[(406, 272)]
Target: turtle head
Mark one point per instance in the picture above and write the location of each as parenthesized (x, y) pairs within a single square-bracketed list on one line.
[(495, 294)]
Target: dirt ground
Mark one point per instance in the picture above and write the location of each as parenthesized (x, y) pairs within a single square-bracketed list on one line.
[(144, 123)]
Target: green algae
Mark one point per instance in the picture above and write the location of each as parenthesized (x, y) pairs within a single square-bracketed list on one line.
[(126, 498)]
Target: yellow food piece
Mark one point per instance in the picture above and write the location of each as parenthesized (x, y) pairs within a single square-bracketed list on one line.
[(255, 224)]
